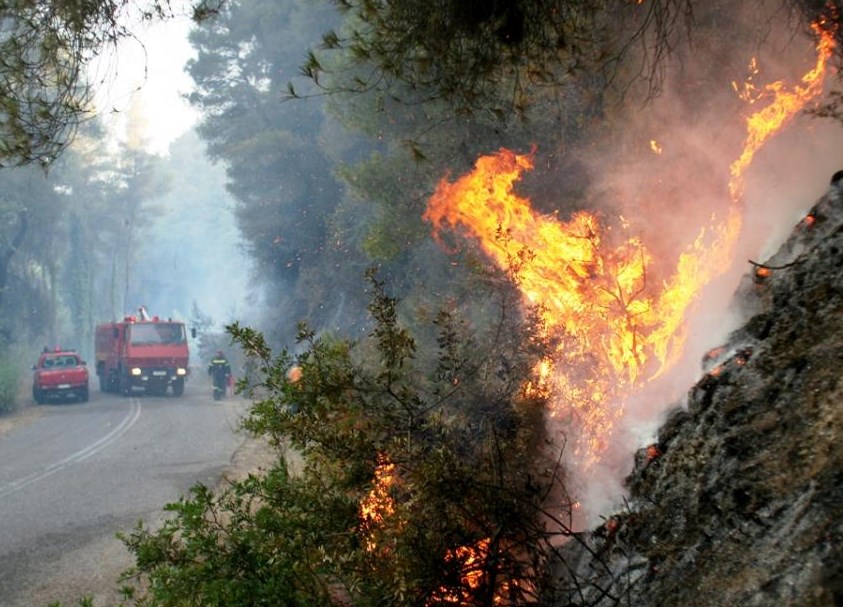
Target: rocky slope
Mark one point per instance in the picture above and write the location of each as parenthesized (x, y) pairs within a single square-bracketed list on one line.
[(741, 500)]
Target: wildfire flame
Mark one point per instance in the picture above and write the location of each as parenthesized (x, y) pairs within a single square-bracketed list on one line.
[(470, 560), (620, 326), (378, 505), (785, 104)]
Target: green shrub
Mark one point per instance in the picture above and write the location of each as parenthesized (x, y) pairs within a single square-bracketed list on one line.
[(440, 450), (10, 394)]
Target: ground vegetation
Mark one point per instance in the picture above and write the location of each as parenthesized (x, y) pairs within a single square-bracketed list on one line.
[(412, 489)]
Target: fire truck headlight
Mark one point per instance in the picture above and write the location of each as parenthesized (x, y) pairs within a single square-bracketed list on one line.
[(136, 371), (181, 371)]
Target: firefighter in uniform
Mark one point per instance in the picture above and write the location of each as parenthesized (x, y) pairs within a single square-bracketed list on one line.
[(220, 372)]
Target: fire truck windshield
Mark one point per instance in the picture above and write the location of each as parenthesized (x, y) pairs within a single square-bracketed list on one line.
[(153, 334)]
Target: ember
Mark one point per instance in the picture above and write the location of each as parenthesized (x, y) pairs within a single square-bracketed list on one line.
[(713, 354), (743, 355), (653, 452), (808, 222), (762, 273)]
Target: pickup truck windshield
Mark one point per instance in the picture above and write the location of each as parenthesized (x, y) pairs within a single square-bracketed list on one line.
[(153, 334), (60, 361)]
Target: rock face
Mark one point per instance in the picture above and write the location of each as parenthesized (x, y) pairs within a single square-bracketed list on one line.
[(740, 503)]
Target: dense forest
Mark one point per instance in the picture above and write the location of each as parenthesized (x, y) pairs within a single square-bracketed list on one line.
[(326, 215)]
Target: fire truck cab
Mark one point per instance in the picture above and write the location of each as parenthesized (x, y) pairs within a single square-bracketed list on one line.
[(148, 353)]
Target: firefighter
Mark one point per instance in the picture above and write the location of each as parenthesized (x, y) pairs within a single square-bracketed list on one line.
[(220, 373)]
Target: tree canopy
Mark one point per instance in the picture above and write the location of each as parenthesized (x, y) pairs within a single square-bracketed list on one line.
[(477, 56), (45, 48), (505, 57)]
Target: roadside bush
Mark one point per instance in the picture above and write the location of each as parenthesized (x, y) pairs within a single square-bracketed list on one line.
[(419, 484), (10, 383)]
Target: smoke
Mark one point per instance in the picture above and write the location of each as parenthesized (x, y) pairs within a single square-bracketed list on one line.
[(665, 168), (192, 252)]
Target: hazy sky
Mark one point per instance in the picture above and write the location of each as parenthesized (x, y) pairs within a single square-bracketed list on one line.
[(143, 81), (140, 88)]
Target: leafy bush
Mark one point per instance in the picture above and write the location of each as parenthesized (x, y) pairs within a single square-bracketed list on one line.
[(418, 486), (10, 390)]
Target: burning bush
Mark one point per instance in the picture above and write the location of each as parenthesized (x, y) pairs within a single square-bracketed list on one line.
[(420, 484)]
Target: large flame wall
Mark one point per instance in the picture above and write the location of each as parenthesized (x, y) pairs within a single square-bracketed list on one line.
[(620, 320)]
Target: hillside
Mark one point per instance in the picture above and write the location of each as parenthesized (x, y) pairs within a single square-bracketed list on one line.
[(741, 500)]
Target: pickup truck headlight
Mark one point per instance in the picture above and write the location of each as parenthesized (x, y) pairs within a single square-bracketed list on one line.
[(136, 371), (181, 371)]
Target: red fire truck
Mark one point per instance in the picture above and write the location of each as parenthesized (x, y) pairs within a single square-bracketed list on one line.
[(142, 353)]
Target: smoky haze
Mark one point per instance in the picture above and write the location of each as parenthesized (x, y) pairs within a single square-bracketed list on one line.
[(193, 253)]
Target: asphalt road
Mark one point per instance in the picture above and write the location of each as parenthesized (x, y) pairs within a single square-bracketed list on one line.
[(80, 472)]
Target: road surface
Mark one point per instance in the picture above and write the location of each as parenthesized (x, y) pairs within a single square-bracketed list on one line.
[(78, 473)]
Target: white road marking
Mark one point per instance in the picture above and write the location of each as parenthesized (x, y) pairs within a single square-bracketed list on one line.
[(83, 454)]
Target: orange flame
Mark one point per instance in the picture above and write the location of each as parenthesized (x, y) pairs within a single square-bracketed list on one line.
[(470, 560), (763, 272), (616, 330), (786, 104), (378, 504), (620, 326)]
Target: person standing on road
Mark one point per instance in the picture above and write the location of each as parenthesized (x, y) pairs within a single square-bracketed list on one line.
[(220, 372)]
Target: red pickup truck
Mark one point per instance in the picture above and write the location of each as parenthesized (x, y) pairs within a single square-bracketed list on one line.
[(59, 374)]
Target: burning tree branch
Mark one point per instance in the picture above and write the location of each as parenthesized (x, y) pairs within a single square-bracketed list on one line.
[(796, 261)]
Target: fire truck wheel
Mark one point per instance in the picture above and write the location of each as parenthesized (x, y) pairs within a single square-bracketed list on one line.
[(178, 387)]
